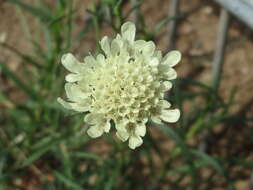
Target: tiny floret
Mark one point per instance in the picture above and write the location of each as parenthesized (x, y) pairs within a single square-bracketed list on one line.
[(124, 86)]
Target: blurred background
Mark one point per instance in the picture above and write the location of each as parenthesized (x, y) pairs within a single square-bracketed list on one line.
[(43, 146)]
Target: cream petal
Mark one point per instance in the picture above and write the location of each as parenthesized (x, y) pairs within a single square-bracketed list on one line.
[(93, 118), (149, 48), (140, 130), (90, 61), (105, 45), (156, 119), (128, 31), (171, 74), (100, 58), (166, 85), (135, 141), (74, 106), (73, 77), (158, 54), (170, 116), (118, 37), (164, 104), (95, 131), (74, 93), (172, 58), (121, 125), (154, 62), (139, 44), (107, 126), (119, 41), (81, 107), (122, 135), (98, 120), (71, 63), (64, 103), (115, 49)]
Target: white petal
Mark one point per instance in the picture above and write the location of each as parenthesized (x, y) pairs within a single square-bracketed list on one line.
[(128, 31), (73, 77), (93, 118), (95, 131), (121, 125), (74, 93), (69, 91), (71, 63), (100, 58), (140, 130), (156, 119), (122, 135), (64, 103), (90, 61), (119, 41), (158, 54), (74, 106), (135, 141), (118, 37), (154, 62), (170, 116), (171, 74), (166, 85), (164, 104), (115, 49), (172, 58), (139, 44), (107, 126), (105, 45), (81, 107), (149, 48)]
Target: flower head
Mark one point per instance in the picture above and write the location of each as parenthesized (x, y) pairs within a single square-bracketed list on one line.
[(124, 86)]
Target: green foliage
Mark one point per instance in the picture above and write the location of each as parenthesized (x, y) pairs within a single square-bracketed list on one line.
[(38, 137)]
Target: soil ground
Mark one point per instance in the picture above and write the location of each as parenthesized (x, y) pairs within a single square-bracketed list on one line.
[(197, 35)]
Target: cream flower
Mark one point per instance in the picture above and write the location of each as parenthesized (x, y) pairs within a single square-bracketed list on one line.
[(124, 86)]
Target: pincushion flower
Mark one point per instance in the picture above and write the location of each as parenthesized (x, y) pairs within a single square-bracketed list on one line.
[(125, 86)]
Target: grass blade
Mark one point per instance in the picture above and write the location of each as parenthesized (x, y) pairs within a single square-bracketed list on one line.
[(35, 156), (18, 82), (210, 160), (86, 155), (26, 58), (41, 14), (67, 181)]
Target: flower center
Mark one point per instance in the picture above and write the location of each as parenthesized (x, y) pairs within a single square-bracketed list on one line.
[(124, 89)]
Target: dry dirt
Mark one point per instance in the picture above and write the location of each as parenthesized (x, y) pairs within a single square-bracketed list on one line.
[(197, 35)]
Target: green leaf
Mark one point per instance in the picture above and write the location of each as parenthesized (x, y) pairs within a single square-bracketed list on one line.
[(26, 58), (210, 160), (67, 181), (36, 155), (18, 82), (86, 155), (163, 23), (181, 149), (187, 168), (191, 82), (111, 183), (170, 132), (135, 7), (40, 13), (42, 142)]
